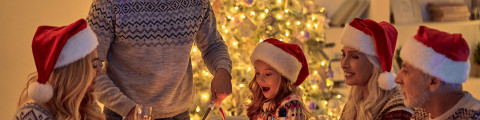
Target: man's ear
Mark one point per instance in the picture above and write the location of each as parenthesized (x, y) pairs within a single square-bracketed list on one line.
[(433, 83)]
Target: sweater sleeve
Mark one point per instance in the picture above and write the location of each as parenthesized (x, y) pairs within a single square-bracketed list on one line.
[(211, 44), (101, 19)]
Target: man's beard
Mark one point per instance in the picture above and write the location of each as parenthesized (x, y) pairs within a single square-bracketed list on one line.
[(416, 101)]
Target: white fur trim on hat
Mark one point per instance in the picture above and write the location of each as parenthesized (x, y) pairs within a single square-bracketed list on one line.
[(40, 93), (285, 63), (77, 47), (433, 63), (386, 80), (352, 37)]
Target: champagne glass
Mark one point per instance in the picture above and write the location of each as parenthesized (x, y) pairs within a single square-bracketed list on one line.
[(143, 112)]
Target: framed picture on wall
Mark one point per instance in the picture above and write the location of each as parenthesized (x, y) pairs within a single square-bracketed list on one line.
[(406, 11)]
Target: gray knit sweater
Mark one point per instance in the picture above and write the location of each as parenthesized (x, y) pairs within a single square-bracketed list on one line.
[(147, 45)]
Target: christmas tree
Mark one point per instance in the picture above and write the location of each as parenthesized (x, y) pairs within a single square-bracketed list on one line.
[(245, 23)]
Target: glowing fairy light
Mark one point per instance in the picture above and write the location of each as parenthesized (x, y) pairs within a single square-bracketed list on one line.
[(236, 7), (243, 16), (226, 31), (314, 86), (308, 25), (223, 26), (322, 63), (298, 22), (315, 72), (252, 13), (241, 85), (279, 1), (266, 10), (313, 17), (205, 96), (286, 10), (235, 43), (329, 82), (288, 23), (194, 49), (279, 17), (197, 109), (249, 68), (262, 15)]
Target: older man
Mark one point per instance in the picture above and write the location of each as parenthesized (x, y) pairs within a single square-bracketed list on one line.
[(434, 68)]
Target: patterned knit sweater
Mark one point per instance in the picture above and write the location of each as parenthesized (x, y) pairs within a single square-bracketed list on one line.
[(147, 45), (292, 104), (395, 109), (33, 111)]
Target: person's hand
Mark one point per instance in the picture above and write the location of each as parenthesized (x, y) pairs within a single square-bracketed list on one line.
[(221, 86)]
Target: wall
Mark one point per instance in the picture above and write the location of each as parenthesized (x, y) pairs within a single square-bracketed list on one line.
[(19, 20)]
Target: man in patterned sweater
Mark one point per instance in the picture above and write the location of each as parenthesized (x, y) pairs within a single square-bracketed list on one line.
[(434, 68), (146, 45)]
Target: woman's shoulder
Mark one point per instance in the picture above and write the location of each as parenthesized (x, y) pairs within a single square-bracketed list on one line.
[(33, 111), (395, 108)]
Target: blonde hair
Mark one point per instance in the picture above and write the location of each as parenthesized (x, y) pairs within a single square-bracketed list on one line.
[(256, 96), (367, 109), (70, 99)]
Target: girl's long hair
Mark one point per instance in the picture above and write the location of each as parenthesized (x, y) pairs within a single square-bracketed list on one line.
[(70, 99), (257, 98), (360, 108)]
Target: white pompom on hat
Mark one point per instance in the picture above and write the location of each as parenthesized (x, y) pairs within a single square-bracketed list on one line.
[(375, 39), (55, 47), (439, 54)]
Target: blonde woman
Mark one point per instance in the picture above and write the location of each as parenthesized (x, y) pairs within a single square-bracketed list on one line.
[(366, 62), (66, 61)]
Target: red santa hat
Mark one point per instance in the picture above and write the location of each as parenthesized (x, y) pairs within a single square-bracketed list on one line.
[(375, 39), (55, 47), (439, 54), (288, 59)]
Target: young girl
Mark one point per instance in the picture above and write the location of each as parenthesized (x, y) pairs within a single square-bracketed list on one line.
[(66, 61), (279, 69), (366, 62)]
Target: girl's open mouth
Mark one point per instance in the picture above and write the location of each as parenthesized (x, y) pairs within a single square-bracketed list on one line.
[(265, 89)]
